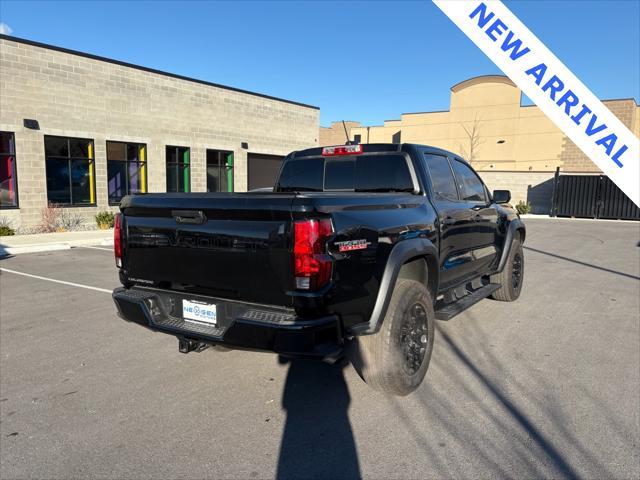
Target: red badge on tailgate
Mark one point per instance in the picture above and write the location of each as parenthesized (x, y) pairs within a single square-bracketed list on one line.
[(349, 245)]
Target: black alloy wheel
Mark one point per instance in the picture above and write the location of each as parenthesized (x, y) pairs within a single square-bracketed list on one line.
[(414, 338), (516, 272)]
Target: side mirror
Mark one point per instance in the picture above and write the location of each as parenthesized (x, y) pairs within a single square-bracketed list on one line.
[(501, 196)]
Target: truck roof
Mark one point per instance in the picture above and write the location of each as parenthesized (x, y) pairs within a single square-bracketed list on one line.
[(375, 147)]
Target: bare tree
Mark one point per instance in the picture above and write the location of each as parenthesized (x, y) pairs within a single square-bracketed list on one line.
[(470, 151)]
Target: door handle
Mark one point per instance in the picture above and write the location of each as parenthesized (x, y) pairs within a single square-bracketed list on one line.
[(447, 222), (193, 217)]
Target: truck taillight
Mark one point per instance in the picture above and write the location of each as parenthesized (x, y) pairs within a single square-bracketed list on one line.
[(117, 239), (312, 265)]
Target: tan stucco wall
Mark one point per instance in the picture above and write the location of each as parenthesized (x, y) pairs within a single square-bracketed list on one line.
[(529, 140)]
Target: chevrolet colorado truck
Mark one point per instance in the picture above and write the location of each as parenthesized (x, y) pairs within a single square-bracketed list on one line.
[(358, 250)]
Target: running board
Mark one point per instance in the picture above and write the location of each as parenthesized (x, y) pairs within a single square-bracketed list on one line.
[(452, 309)]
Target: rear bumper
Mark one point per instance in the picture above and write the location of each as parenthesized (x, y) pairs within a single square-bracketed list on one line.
[(239, 325)]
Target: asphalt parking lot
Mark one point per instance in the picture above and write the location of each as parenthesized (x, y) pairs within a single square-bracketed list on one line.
[(548, 386)]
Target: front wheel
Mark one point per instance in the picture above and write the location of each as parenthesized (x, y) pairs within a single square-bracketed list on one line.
[(396, 358), (512, 275)]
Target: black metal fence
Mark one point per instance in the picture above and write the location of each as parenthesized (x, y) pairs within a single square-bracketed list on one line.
[(590, 196)]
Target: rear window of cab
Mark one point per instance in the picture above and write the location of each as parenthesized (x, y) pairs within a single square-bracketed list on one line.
[(361, 173)]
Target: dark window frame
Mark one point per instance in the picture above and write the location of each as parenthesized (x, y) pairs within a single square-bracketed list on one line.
[(128, 162), (177, 166), (69, 159), (221, 166), (13, 154)]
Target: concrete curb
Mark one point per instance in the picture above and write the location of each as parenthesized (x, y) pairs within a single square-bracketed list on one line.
[(44, 247), (19, 247), (50, 247), (573, 219)]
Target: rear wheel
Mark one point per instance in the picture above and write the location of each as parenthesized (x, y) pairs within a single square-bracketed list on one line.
[(512, 275), (395, 360)]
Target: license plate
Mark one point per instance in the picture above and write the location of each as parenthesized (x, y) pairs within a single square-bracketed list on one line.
[(199, 312)]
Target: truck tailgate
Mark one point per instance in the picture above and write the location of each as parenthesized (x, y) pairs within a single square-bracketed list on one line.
[(225, 245)]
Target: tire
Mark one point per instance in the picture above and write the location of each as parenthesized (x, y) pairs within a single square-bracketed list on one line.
[(512, 276), (396, 358)]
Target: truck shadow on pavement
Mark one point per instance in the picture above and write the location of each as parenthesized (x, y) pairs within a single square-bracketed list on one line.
[(585, 264), (317, 441)]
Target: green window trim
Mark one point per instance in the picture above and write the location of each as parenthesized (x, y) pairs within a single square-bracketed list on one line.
[(219, 170), (230, 172), (178, 169), (185, 163)]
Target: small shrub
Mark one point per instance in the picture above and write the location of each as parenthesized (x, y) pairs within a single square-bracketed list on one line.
[(105, 220), (31, 230), (50, 218), (70, 221), (523, 207), (57, 219), (5, 228)]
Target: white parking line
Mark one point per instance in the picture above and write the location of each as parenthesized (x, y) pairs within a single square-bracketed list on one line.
[(96, 248), (88, 287)]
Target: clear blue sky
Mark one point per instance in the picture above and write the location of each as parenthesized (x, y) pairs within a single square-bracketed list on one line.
[(366, 61)]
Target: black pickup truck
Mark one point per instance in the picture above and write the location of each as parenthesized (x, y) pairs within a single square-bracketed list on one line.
[(358, 249)]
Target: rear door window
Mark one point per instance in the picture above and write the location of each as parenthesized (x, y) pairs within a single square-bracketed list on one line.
[(443, 183), (471, 188)]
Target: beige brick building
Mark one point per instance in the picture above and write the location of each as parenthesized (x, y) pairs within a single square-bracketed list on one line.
[(83, 131), (335, 134), (512, 146)]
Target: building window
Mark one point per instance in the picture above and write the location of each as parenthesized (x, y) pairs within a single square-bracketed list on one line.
[(219, 171), (8, 179), (357, 138), (71, 177), (178, 169), (126, 170)]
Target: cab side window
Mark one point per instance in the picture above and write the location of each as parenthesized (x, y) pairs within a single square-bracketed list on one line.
[(470, 186), (442, 181)]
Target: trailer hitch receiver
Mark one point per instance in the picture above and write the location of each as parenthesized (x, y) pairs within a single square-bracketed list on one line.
[(186, 345)]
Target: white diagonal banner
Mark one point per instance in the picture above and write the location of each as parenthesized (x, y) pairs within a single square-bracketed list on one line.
[(553, 88)]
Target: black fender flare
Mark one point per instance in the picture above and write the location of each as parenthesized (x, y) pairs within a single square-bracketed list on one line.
[(401, 252), (516, 225)]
